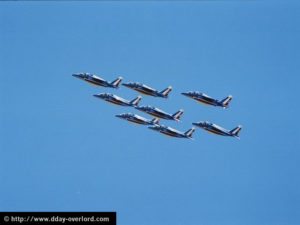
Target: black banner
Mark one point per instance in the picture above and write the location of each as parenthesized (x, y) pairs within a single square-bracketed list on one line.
[(102, 218)]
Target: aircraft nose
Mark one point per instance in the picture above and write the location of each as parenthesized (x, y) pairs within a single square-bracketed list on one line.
[(98, 96), (185, 94), (119, 116), (75, 75)]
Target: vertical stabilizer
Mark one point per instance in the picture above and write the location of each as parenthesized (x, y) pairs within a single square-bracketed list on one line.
[(190, 132), (116, 82), (166, 91), (136, 101), (225, 101), (155, 121), (178, 114), (236, 131)]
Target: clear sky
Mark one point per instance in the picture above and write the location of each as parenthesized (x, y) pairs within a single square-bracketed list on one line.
[(64, 150)]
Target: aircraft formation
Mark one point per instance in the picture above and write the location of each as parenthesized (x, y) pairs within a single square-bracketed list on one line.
[(156, 112)]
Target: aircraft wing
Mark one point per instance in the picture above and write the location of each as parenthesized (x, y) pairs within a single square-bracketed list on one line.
[(173, 130), (207, 97), (160, 111), (148, 88), (97, 78), (119, 98)]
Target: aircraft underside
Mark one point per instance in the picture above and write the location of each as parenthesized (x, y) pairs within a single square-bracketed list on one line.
[(215, 132), (135, 121), (157, 115), (168, 134), (116, 103), (204, 102), (144, 92), (95, 83)]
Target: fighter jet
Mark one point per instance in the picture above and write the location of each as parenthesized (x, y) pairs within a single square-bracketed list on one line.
[(215, 129), (205, 99), (158, 113), (116, 100), (137, 119), (143, 89), (172, 132), (94, 80)]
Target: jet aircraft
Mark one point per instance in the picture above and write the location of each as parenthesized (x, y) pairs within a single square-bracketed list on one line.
[(215, 129), (95, 80), (205, 99), (158, 113), (137, 119), (116, 100), (172, 132), (144, 89)]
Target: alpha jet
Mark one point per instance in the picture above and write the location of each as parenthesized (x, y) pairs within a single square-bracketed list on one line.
[(172, 132), (205, 99), (116, 100), (215, 129), (95, 80), (158, 113), (144, 89), (137, 119)]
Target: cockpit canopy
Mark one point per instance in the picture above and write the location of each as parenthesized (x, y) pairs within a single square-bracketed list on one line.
[(205, 123), (84, 74), (105, 94), (146, 107), (194, 92), (134, 84), (126, 114)]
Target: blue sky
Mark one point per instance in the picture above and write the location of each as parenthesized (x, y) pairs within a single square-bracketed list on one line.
[(63, 150)]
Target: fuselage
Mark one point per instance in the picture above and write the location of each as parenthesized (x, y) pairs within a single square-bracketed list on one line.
[(168, 131), (213, 128), (203, 98), (133, 118), (113, 99), (155, 112), (143, 89), (94, 80)]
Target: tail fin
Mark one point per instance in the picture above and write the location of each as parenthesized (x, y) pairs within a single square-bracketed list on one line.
[(136, 101), (155, 121), (236, 131), (117, 81), (178, 114), (225, 101), (166, 91), (190, 132)]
